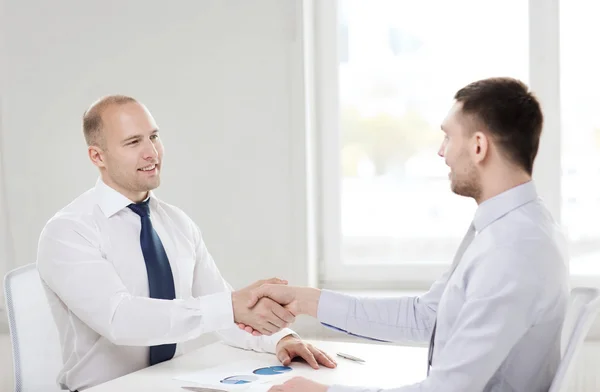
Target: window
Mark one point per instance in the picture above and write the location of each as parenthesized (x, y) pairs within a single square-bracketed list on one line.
[(388, 75), (580, 117)]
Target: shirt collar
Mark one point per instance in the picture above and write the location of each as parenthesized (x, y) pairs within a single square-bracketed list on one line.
[(500, 205), (111, 201)]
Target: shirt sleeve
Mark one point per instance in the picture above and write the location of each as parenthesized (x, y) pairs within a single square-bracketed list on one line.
[(208, 281), (71, 264), (499, 308), (386, 319)]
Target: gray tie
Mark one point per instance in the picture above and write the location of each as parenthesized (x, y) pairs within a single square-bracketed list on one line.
[(467, 239)]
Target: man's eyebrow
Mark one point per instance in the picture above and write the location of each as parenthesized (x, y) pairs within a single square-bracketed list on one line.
[(130, 138)]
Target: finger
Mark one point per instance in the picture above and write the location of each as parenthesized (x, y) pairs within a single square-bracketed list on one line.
[(275, 322), (256, 295), (330, 357), (274, 281), (274, 328), (283, 314), (256, 333), (266, 329), (242, 325), (284, 358), (273, 310), (249, 329), (322, 358), (305, 353)]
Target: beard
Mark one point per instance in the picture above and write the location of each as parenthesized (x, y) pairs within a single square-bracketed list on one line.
[(466, 182)]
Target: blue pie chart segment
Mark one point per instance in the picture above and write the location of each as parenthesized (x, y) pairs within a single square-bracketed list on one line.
[(239, 379), (272, 370)]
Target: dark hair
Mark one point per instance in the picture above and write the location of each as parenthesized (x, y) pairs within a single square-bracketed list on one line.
[(511, 114)]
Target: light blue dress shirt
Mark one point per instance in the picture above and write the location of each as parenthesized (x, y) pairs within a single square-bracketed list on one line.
[(499, 314)]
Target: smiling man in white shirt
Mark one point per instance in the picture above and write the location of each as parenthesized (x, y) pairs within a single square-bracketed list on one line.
[(494, 319), (128, 276)]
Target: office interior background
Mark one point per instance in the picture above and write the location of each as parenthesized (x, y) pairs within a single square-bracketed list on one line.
[(300, 135)]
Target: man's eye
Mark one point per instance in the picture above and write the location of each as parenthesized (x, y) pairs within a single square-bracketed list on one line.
[(133, 142), (153, 137)]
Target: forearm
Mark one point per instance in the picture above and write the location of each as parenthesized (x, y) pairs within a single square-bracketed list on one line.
[(388, 319), (138, 321)]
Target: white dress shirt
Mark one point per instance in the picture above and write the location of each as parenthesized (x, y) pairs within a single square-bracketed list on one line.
[(93, 270), (499, 315)]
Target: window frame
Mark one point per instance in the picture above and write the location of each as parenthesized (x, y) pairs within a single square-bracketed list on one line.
[(544, 80)]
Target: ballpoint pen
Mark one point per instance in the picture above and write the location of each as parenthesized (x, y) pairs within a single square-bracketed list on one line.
[(351, 357)]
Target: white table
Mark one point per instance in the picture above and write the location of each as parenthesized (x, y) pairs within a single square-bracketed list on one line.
[(386, 366)]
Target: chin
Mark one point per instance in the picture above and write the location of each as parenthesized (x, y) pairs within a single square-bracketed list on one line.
[(457, 189), (154, 185), (150, 185)]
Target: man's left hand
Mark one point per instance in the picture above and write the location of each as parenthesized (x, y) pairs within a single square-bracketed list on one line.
[(291, 347), (299, 384)]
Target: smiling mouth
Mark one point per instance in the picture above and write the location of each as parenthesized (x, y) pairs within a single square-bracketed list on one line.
[(149, 168)]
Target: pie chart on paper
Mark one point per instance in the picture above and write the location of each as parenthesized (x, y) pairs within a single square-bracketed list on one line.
[(239, 379), (272, 370)]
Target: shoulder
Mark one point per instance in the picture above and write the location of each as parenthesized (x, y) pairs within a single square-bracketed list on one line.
[(78, 216), (527, 237), (528, 255)]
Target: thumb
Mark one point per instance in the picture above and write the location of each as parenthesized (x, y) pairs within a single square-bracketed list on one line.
[(255, 296), (275, 281)]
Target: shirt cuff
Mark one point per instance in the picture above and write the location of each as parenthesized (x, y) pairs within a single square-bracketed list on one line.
[(334, 308), (271, 341), (216, 310)]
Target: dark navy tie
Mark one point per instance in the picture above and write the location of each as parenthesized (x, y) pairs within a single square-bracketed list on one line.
[(160, 277)]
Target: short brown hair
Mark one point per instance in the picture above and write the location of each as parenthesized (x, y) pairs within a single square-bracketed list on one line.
[(510, 112), (92, 118)]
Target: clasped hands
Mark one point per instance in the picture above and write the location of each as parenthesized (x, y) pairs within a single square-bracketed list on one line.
[(268, 306)]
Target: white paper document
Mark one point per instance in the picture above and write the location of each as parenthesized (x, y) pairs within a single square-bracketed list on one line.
[(246, 375)]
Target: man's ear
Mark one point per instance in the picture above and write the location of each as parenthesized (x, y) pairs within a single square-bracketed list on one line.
[(96, 155), (480, 147)]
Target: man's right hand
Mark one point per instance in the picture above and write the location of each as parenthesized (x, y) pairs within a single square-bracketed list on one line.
[(266, 316), (298, 300)]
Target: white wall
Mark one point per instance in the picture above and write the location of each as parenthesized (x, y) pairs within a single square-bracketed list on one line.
[(5, 242), (225, 82)]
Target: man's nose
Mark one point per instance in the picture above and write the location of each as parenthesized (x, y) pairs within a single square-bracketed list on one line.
[(150, 151)]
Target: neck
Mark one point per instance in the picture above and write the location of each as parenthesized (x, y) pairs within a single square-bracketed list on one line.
[(495, 182), (134, 196)]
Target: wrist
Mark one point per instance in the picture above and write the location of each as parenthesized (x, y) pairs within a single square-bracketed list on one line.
[(235, 300), (308, 300), (287, 337)]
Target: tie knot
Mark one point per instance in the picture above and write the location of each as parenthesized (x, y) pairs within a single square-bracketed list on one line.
[(142, 209)]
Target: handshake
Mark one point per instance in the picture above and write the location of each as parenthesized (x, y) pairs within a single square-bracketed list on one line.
[(268, 306)]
